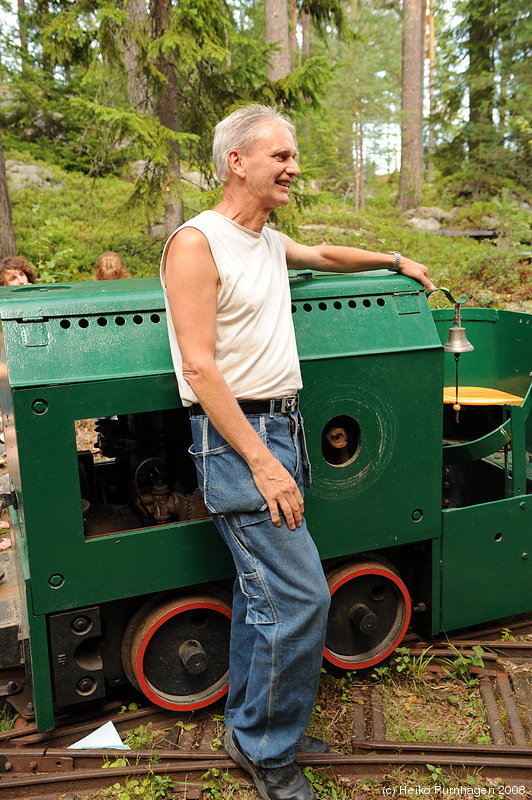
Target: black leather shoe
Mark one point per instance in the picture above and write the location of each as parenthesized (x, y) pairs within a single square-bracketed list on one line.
[(273, 783), (310, 744)]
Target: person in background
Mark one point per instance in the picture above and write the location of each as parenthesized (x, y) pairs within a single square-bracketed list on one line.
[(109, 267), (16, 271)]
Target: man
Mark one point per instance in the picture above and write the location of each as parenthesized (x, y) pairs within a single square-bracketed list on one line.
[(234, 350)]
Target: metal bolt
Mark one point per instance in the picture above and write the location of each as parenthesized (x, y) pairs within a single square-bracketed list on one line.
[(12, 686), (80, 624), (85, 685), (29, 707), (8, 766)]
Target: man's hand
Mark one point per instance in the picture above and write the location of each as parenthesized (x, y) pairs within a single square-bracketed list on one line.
[(417, 271), (280, 491)]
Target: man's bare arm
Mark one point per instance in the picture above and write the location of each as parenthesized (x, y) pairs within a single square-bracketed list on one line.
[(331, 258), (192, 284)]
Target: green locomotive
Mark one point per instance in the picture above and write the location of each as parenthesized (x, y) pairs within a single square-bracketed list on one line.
[(117, 576)]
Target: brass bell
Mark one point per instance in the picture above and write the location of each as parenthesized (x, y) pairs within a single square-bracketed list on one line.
[(457, 341)]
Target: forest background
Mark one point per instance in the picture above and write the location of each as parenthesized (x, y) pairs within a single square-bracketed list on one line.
[(414, 124)]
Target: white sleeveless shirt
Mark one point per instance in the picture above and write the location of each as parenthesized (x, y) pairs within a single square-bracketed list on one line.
[(255, 342)]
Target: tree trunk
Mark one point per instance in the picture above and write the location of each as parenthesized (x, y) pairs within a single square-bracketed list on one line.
[(139, 91), (22, 14), (411, 179), (305, 30), (293, 34), (430, 165), (277, 31), (168, 111), (480, 130), (7, 234)]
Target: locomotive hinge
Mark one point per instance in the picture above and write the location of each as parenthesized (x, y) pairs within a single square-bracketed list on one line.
[(34, 332)]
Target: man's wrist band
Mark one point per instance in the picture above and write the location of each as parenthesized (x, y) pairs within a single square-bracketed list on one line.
[(395, 266)]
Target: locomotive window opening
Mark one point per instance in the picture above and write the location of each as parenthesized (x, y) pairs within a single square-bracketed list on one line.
[(135, 472), (340, 441)]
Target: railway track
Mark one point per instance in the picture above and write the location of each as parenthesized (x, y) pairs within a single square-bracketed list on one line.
[(41, 765)]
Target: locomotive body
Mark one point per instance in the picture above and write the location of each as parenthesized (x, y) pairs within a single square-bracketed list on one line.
[(122, 577)]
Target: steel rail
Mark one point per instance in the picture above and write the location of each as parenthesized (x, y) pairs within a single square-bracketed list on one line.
[(504, 764)]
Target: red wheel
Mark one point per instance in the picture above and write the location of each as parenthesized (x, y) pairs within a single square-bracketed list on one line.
[(369, 614), (176, 649)]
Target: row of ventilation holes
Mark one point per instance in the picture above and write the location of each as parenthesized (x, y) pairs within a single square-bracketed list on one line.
[(137, 319), (338, 305), (102, 321)]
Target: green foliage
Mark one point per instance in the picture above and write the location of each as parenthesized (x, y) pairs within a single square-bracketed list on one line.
[(404, 666), (151, 787), (325, 787), (436, 774), (491, 144), (63, 229), (129, 707), (141, 737), (221, 785), (458, 666)]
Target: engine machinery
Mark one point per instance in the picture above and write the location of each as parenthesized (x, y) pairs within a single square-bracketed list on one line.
[(419, 503)]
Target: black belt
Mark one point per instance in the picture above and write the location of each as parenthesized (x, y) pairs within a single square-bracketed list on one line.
[(283, 405)]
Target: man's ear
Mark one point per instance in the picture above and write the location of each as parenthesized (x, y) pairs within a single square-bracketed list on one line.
[(236, 165)]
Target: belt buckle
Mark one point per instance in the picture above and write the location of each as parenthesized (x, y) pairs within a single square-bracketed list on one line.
[(289, 404)]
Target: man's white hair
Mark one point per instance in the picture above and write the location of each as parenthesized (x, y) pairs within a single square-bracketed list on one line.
[(239, 131)]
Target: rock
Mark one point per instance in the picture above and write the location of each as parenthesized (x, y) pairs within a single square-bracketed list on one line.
[(20, 176), (429, 224), (196, 178), (429, 212), (491, 222), (158, 231)]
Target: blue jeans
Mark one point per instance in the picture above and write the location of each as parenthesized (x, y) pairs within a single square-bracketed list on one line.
[(280, 599)]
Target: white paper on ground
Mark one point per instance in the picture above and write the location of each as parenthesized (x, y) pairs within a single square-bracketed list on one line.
[(102, 738)]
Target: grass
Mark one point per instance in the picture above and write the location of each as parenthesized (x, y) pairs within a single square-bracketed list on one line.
[(7, 716), (443, 711)]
